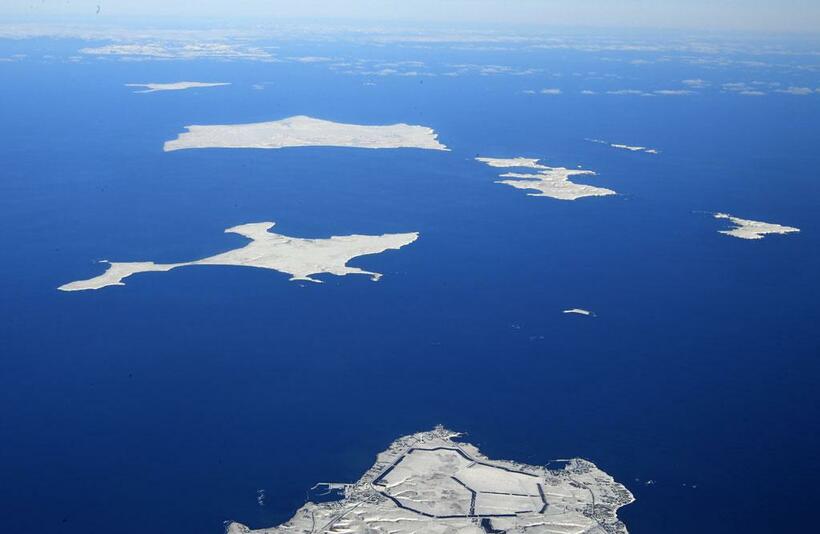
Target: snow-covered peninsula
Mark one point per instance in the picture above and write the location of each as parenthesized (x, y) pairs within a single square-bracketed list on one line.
[(431, 483)]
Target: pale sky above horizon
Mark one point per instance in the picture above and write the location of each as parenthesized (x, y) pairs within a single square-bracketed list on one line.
[(757, 15)]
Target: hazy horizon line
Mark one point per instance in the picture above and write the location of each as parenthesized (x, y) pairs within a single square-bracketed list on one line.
[(84, 22)]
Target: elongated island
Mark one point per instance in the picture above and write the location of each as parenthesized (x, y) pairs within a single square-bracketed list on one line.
[(303, 131), (298, 257)]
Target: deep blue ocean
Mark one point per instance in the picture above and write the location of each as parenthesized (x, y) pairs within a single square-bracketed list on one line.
[(164, 405)]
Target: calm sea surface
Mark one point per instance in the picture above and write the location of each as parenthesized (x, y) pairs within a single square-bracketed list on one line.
[(164, 405)]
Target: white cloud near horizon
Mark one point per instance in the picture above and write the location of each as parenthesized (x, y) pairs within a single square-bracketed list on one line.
[(696, 83), (762, 15), (798, 91)]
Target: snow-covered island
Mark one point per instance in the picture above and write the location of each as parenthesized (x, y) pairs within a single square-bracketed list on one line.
[(579, 311), (631, 148), (298, 257), (305, 131), (430, 483), (548, 181), (747, 229), (176, 86)]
